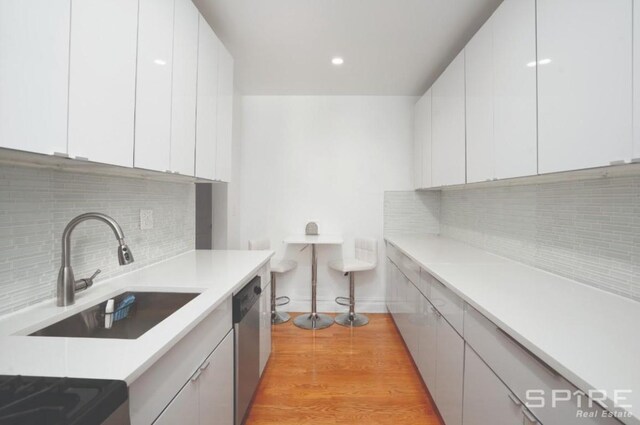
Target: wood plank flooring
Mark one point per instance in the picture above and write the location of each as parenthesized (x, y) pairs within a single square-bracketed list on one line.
[(341, 376)]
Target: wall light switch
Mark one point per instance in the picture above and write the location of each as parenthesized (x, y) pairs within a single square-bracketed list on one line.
[(146, 219)]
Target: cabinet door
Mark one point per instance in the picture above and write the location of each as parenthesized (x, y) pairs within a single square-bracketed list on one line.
[(636, 80), (486, 399), (184, 82), (414, 318), (265, 326), (584, 83), (449, 373), (153, 85), (422, 142), (418, 137), (207, 101), (514, 85), (216, 389), (102, 80), (427, 141), (427, 340), (448, 160), (183, 409), (224, 128), (479, 105), (34, 74)]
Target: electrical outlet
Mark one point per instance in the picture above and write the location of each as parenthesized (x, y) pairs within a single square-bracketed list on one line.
[(146, 219)]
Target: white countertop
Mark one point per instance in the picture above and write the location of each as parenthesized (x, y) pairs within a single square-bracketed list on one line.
[(216, 274), (589, 336), (314, 239)]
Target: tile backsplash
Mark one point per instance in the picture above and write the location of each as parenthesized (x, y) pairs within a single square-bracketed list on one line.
[(585, 230), (36, 204), (409, 212)]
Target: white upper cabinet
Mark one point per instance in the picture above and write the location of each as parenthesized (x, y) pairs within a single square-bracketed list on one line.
[(102, 80), (448, 131), (183, 98), (514, 87), (584, 83), (422, 142), (427, 141), (501, 95), (153, 85), (34, 74), (418, 136), (207, 101), (479, 66), (224, 122), (636, 80)]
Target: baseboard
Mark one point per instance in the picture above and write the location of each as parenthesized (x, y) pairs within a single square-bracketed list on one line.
[(330, 306)]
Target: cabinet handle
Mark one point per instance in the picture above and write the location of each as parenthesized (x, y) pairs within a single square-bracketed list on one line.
[(619, 162), (206, 365), (61, 154), (532, 419), (81, 158), (526, 350), (196, 375), (514, 399)]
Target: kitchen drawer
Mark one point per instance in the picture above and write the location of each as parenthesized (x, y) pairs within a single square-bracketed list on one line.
[(392, 253), (155, 388), (424, 283), (407, 266), (521, 371), (448, 304)]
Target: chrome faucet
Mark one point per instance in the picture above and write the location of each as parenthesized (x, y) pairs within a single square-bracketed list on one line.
[(67, 285)]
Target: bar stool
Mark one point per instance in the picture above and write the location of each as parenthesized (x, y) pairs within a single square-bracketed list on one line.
[(277, 267), (366, 259)]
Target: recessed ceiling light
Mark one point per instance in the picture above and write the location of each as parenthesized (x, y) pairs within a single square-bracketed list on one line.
[(160, 62), (544, 61), (337, 61)]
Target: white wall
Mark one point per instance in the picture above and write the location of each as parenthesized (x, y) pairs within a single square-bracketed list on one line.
[(328, 159)]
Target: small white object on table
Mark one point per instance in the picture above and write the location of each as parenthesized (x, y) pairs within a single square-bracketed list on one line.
[(314, 320)]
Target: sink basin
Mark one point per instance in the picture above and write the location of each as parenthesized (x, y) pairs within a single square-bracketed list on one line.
[(148, 309)]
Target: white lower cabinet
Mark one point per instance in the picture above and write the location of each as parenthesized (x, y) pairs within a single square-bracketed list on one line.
[(427, 342), (265, 326), (207, 398), (449, 372), (183, 409), (436, 347), (486, 399), (215, 385)]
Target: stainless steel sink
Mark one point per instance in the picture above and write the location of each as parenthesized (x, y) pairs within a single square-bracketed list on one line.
[(149, 309)]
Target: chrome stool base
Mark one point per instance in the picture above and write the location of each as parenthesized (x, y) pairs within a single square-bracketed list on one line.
[(354, 321), (279, 318), (313, 321)]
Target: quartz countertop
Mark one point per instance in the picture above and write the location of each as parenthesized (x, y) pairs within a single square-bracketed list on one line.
[(588, 335), (216, 275)]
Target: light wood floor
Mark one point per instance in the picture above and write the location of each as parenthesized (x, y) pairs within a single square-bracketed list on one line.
[(341, 376)]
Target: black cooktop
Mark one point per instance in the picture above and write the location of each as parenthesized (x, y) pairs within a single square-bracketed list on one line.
[(27, 400)]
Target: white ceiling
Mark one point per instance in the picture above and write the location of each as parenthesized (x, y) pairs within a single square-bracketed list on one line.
[(390, 47)]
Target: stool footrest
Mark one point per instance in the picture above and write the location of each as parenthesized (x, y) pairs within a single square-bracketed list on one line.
[(280, 301), (344, 301)]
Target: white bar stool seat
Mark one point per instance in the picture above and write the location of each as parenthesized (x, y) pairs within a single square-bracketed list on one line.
[(278, 266), (282, 266), (366, 258)]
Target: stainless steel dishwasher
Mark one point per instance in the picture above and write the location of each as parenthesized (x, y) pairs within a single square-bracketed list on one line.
[(246, 324)]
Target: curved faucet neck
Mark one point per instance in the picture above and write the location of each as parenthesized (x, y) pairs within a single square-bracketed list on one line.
[(66, 235)]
